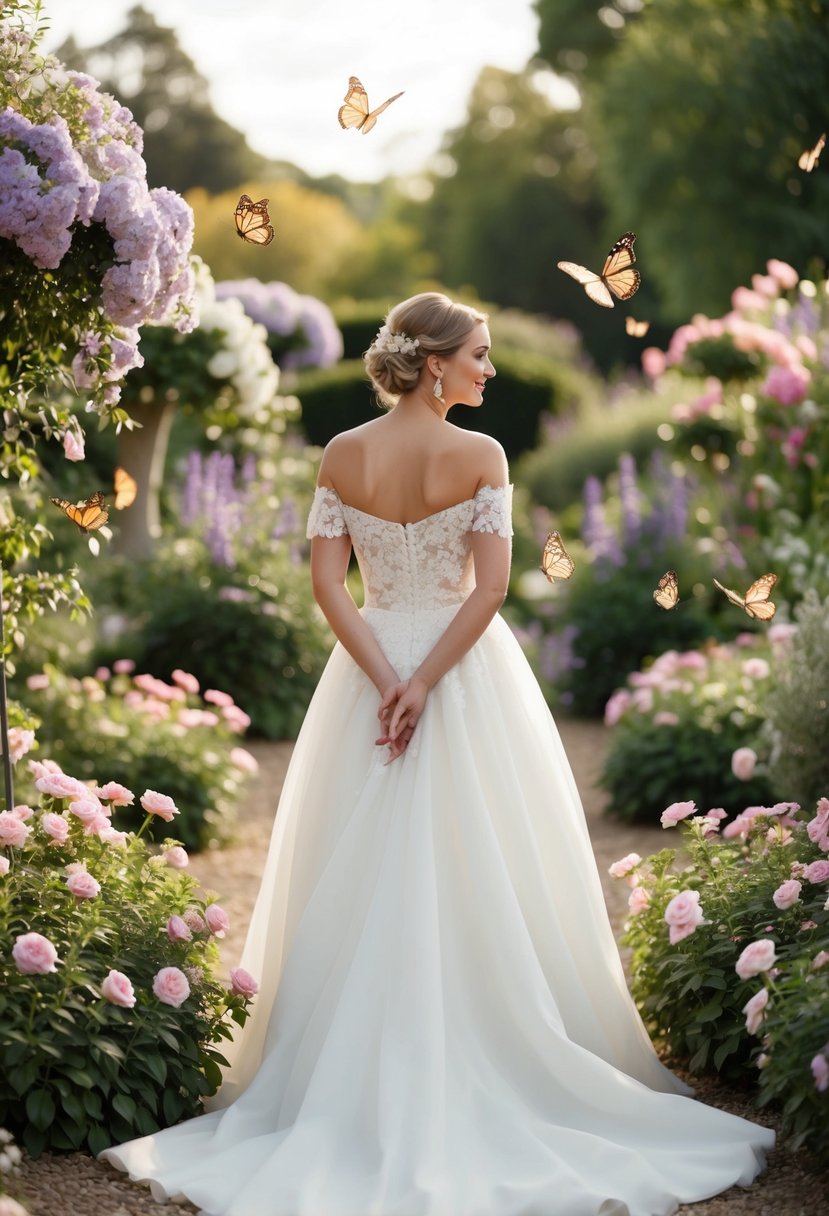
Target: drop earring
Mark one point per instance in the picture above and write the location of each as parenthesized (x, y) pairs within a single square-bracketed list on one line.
[(438, 389)]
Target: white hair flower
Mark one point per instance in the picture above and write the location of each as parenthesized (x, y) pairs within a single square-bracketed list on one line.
[(395, 343)]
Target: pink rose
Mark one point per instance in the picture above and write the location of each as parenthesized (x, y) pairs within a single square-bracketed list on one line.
[(22, 811), (666, 717), (236, 718), (743, 762), (123, 667), (653, 362), (241, 758), (616, 706), (73, 446), (785, 274), (185, 680), (86, 808), (59, 785), (242, 983), (177, 857), (43, 768), (787, 894), (118, 990), (216, 697), (817, 871), (159, 804), (217, 919), (171, 987), (672, 815), (111, 836), (55, 826), (820, 959), (102, 674), (4, 865), (756, 669), (177, 930), (807, 926), (683, 914), (194, 920), (83, 885), (38, 681), (638, 900), (820, 1071), (755, 1010), (13, 831), (620, 868), (34, 954), (758, 956), (20, 742), (116, 794)]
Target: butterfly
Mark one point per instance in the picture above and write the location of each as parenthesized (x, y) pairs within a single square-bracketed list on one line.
[(355, 112), (252, 221), (808, 160), (556, 562), (618, 275), (636, 329), (87, 515), (756, 601), (666, 594), (126, 488)]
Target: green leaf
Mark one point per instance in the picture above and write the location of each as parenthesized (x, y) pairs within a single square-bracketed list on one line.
[(125, 1105), (40, 1108)]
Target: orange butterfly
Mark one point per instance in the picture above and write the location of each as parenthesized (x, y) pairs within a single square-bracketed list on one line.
[(618, 275), (355, 112), (808, 160), (252, 221), (126, 488), (666, 594), (636, 329), (87, 515), (756, 601), (556, 562)]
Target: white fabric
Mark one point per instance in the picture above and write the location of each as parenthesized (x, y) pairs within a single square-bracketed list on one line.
[(443, 1026)]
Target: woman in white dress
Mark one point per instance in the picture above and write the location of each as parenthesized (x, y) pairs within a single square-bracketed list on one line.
[(443, 1026)]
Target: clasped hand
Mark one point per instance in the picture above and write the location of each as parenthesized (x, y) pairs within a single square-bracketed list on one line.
[(399, 712)]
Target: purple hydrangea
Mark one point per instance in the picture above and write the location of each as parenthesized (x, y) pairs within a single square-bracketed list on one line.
[(306, 322)]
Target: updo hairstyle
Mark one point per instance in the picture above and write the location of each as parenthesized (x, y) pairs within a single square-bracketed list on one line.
[(440, 326)]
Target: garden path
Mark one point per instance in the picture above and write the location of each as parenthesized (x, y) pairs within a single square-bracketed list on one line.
[(62, 1186)]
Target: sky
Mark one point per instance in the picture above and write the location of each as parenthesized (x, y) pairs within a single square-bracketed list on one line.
[(279, 69)]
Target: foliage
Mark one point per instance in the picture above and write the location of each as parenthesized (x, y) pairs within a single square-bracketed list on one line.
[(573, 34), (525, 388), (761, 445), (694, 914), (301, 329), (751, 76), (240, 611), (97, 1048), (186, 143), (678, 723), (796, 737), (150, 733)]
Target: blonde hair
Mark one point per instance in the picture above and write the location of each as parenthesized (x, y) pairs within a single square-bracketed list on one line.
[(440, 327)]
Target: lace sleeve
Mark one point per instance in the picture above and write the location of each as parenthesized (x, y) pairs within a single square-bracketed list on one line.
[(326, 516), (493, 510)]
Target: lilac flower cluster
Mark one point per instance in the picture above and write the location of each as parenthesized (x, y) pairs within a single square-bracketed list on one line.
[(306, 325)]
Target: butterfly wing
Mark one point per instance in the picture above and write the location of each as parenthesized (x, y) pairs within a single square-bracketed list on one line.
[(126, 488), (618, 273), (371, 118), (733, 597), (591, 282), (666, 594), (87, 515), (252, 221), (808, 160), (757, 602), (636, 329), (556, 562), (355, 110)]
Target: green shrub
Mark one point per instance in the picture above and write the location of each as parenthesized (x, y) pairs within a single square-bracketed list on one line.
[(525, 388), (91, 1058), (358, 321), (678, 723), (148, 733), (797, 707), (721, 896)]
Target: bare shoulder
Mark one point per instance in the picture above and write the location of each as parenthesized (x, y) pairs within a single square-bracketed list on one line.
[(341, 451), (482, 458)]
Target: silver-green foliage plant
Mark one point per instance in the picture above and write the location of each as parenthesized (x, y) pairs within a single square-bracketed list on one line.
[(111, 1007), (797, 707)]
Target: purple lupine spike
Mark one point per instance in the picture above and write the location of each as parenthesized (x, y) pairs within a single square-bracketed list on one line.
[(249, 469), (631, 501), (191, 505)]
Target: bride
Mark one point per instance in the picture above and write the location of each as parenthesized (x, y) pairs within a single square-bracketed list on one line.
[(443, 1026)]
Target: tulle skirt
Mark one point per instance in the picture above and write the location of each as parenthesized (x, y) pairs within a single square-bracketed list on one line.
[(443, 1026)]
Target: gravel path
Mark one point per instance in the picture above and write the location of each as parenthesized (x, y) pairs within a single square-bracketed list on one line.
[(66, 1185)]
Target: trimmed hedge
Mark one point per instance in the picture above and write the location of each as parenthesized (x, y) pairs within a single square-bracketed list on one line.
[(525, 387)]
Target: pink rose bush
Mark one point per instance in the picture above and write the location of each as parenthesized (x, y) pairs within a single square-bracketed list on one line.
[(730, 953), (108, 967)]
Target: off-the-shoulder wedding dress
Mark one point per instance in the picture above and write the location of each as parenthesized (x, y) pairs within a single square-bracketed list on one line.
[(443, 1026)]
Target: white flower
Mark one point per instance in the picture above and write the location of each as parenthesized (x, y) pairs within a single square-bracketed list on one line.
[(395, 343)]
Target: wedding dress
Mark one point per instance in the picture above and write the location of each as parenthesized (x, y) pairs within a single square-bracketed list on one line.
[(443, 1026)]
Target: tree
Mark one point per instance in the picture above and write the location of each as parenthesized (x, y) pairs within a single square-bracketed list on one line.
[(575, 34), (186, 143)]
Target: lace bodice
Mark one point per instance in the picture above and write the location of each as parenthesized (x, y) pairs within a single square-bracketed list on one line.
[(420, 566)]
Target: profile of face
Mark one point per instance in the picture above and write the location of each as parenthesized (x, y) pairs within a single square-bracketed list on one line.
[(465, 373)]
